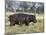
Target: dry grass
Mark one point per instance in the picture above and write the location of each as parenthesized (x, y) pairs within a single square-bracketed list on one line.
[(37, 27)]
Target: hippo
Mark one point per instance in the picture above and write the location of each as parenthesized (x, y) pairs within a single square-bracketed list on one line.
[(21, 19)]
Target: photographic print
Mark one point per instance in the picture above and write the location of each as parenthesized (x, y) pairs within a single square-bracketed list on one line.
[(23, 17)]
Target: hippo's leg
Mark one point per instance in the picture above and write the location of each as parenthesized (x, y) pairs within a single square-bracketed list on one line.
[(20, 23), (27, 23), (12, 23)]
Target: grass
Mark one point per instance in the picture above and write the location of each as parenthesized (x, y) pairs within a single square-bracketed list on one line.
[(36, 28)]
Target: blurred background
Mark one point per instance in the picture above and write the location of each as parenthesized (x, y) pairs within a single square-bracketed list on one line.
[(23, 6)]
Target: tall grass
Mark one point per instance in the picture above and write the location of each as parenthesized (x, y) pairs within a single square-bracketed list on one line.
[(37, 27)]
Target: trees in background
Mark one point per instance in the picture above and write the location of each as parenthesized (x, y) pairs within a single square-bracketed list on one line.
[(12, 6), (24, 6), (34, 7)]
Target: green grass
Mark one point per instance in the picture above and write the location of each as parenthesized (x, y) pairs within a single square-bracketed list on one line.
[(37, 27)]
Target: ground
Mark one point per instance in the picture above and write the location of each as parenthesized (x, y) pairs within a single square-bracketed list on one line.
[(32, 28)]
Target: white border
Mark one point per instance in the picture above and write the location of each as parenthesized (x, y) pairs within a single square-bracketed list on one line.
[(2, 17), (2, 13)]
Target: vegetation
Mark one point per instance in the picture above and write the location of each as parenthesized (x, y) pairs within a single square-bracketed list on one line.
[(32, 28), (25, 6)]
